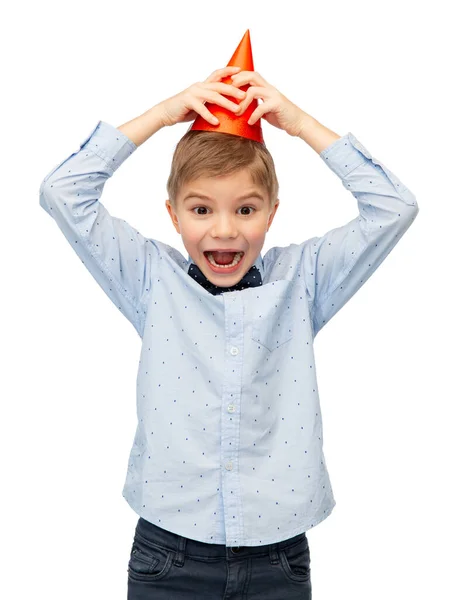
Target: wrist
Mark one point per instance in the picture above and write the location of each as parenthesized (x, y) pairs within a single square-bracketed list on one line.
[(306, 123), (141, 128), (316, 135), (156, 116)]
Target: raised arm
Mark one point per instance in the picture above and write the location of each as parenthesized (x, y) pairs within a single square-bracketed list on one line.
[(115, 253), (315, 134), (337, 264)]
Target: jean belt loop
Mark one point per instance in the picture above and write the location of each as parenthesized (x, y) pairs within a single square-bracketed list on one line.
[(179, 558), (274, 556)]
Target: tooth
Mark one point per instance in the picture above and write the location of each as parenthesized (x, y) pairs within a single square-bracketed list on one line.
[(236, 260)]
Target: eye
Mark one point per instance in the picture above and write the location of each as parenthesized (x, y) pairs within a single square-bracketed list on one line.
[(196, 207), (205, 207), (247, 215)]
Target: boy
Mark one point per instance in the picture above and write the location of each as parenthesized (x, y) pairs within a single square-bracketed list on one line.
[(227, 471)]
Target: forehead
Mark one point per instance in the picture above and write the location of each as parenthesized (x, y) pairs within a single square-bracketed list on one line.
[(231, 186)]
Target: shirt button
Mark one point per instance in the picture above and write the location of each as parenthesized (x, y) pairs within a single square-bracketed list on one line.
[(234, 350), (229, 466), (231, 408)]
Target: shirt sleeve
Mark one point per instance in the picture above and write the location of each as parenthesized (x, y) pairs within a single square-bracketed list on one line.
[(336, 265), (115, 253)]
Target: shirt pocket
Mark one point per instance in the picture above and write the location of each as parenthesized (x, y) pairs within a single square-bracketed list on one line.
[(272, 323)]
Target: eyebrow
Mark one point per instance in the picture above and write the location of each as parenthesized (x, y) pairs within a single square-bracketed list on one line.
[(252, 194)]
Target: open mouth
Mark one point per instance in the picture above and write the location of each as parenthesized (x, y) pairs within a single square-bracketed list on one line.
[(225, 260)]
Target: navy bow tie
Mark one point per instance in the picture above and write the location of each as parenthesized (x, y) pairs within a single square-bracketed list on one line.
[(250, 279)]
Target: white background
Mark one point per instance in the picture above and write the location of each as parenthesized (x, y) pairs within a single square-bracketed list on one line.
[(386, 361)]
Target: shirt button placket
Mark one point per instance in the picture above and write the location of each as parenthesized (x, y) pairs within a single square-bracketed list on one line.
[(231, 417)]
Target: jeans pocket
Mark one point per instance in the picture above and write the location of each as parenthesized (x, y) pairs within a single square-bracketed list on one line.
[(295, 561), (148, 562)]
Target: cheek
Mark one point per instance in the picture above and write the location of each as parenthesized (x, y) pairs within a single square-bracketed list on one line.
[(257, 235), (190, 231)]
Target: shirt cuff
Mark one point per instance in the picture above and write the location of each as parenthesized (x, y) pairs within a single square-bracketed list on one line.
[(109, 144), (344, 155)]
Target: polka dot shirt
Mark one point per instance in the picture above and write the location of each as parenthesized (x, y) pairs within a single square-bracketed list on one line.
[(229, 443)]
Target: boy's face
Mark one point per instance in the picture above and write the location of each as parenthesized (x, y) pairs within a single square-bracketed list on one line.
[(223, 221)]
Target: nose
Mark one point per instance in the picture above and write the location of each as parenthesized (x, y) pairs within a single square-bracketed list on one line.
[(224, 226)]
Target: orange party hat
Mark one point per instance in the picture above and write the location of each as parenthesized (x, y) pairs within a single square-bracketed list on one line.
[(228, 121)]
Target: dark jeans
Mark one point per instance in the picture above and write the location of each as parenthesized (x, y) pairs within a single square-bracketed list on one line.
[(164, 565)]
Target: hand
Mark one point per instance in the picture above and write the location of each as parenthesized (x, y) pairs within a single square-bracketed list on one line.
[(276, 109), (187, 104)]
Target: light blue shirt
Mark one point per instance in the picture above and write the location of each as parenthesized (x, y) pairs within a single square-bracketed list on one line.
[(229, 443)]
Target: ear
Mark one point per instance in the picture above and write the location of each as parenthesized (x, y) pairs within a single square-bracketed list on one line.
[(173, 215), (272, 214)]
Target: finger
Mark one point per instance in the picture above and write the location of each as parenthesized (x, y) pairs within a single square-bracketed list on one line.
[(205, 113), (259, 111), (252, 77), (216, 98), (228, 90), (219, 73), (253, 92)]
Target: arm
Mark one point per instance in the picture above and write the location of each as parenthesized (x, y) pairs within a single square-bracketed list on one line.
[(140, 129), (316, 135), (115, 253), (336, 265)]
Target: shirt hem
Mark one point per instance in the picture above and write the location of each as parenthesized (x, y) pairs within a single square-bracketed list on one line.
[(249, 542)]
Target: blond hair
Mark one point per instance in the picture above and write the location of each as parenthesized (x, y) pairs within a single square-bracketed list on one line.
[(212, 153)]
